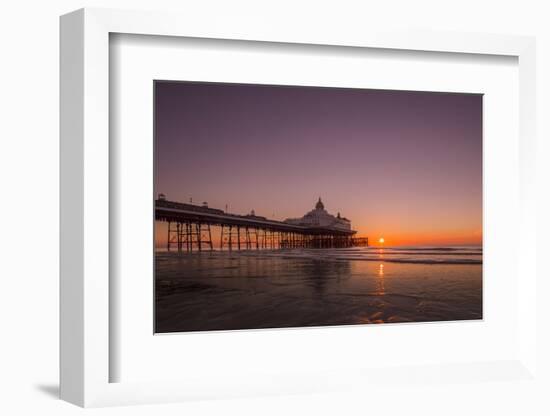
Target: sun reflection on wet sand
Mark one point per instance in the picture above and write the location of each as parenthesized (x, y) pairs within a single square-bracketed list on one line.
[(380, 290)]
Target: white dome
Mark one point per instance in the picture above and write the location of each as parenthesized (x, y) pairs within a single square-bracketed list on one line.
[(319, 204)]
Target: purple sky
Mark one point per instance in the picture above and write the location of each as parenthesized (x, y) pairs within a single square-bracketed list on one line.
[(403, 165)]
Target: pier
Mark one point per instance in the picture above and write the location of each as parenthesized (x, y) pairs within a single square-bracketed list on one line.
[(190, 229)]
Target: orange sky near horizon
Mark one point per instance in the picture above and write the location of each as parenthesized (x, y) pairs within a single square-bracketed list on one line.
[(392, 237), (396, 231), (458, 238)]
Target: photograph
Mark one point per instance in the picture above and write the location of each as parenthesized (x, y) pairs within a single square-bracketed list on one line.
[(282, 206)]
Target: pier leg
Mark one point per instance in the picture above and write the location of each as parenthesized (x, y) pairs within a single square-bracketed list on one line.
[(178, 234), (238, 237), (199, 232), (210, 238), (182, 236), (191, 238), (247, 236), (187, 236), (168, 240)]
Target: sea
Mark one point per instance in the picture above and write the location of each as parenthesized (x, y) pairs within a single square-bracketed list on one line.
[(255, 289)]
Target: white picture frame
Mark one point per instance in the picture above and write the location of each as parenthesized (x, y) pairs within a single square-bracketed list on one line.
[(85, 210)]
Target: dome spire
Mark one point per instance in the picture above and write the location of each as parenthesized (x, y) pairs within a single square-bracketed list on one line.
[(319, 204)]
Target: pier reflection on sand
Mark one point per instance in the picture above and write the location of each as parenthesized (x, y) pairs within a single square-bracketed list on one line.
[(299, 288)]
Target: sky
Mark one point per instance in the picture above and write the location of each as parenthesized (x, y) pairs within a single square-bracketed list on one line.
[(405, 166)]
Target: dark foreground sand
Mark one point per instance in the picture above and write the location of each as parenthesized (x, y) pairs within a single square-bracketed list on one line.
[(227, 291)]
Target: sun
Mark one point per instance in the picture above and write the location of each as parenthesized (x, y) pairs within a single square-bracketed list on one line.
[(381, 240)]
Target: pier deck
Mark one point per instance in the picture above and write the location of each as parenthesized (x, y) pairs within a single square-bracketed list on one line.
[(189, 228)]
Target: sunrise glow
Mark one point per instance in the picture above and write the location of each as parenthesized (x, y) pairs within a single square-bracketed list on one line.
[(423, 198)]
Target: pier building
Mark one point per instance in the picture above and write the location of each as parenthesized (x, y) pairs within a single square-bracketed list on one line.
[(320, 218)]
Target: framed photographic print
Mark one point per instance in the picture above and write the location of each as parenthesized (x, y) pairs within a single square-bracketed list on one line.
[(274, 212), (256, 251)]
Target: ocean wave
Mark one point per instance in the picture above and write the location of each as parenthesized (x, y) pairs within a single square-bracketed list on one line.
[(421, 261), (450, 249), (450, 253), (335, 255), (426, 256)]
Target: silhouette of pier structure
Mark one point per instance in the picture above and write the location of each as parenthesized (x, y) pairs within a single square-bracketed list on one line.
[(190, 229)]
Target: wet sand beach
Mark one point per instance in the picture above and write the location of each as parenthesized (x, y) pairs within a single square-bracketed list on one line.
[(300, 288)]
